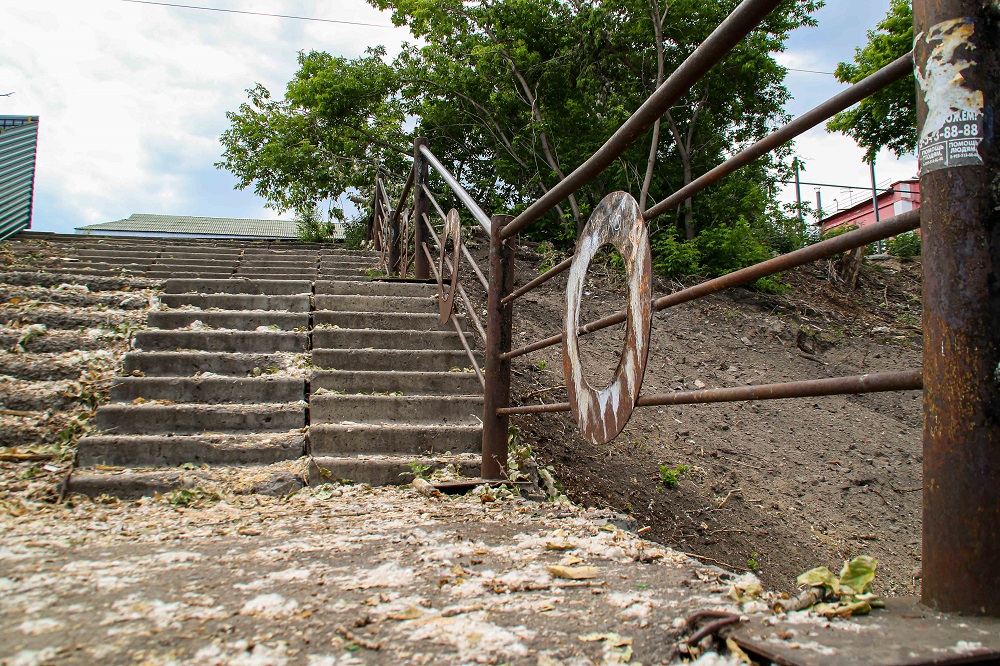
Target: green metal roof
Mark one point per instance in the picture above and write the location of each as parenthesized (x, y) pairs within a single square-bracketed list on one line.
[(18, 144), (141, 223)]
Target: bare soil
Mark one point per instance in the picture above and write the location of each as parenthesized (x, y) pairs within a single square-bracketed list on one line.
[(777, 487)]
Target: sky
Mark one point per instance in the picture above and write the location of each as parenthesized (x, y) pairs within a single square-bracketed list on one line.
[(132, 97)]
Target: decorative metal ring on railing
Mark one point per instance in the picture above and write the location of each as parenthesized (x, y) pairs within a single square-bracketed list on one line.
[(603, 414), (453, 230)]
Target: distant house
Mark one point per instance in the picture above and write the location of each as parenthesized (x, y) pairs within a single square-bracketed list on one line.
[(175, 226), (902, 196), (18, 146)]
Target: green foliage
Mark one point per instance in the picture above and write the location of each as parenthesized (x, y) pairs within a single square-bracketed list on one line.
[(673, 257), (541, 365), (889, 117), (512, 94), (417, 469), (311, 227), (355, 233), (671, 476), (905, 246), (752, 563)]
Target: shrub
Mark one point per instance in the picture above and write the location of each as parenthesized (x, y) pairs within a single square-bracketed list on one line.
[(312, 228), (673, 257), (355, 233), (905, 246), (727, 248)]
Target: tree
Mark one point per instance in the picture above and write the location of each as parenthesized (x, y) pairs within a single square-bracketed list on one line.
[(338, 126), (515, 94), (887, 119)]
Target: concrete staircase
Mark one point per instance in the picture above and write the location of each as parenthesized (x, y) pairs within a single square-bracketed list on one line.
[(395, 388), (264, 353)]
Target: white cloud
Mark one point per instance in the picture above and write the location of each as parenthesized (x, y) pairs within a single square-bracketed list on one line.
[(132, 98)]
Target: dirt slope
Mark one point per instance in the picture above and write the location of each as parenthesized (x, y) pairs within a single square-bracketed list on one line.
[(777, 486)]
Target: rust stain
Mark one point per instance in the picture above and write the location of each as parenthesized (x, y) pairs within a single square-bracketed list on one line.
[(602, 414), (453, 230)]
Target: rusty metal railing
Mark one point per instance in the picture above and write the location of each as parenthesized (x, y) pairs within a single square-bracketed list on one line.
[(960, 227)]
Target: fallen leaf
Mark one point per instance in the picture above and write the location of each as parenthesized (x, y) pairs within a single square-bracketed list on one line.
[(411, 613), (572, 573)]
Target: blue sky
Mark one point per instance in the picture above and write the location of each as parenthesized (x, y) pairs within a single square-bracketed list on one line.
[(132, 98)]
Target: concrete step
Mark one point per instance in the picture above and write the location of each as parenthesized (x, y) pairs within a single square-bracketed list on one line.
[(224, 341), (158, 274), (154, 419), (391, 359), (386, 470), (241, 320), (347, 263), (410, 409), (115, 256), (181, 364), (207, 271), (291, 303), (252, 262), (347, 338), (165, 450), (266, 274), (375, 288), (336, 439), (201, 256), (356, 303), (406, 382), (399, 321), (246, 390), (340, 252), (238, 286), (207, 262), (353, 276)]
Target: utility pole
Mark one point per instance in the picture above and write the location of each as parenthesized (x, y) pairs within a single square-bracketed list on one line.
[(798, 189), (957, 67), (871, 166)]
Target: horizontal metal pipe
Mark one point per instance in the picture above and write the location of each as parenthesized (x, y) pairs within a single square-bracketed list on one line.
[(908, 380), (541, 279), (459, 191), (869, 234), (888, 75), (730, 32)]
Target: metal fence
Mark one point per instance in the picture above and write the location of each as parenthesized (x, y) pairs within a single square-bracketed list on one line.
[(957, 60)]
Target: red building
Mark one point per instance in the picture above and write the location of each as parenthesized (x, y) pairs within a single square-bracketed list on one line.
[(902, 196)]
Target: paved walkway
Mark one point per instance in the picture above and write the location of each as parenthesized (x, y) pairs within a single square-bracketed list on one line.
[(339, 575)]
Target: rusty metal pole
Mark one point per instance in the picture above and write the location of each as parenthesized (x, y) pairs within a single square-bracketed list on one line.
[(395, 244), (957, 64), (498, 339), (421, 268)]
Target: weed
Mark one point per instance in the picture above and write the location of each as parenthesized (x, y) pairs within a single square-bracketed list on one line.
[(541, 365), (417, 469), (670, 477), (550, 256), (752, 562), (184, 497)]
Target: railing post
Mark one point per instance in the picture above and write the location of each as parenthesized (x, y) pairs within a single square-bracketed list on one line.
[(498, 339), (373, 220), (421, 269), (957, 62)]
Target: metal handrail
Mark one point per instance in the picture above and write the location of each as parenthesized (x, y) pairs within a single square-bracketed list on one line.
[(471, 311), (888, 228), (465, 251), (457, 188), (907, 380), (723, 39)]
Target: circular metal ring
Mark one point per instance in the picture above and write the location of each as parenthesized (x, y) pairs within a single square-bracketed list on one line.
[(452, 229), (602, 414)]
